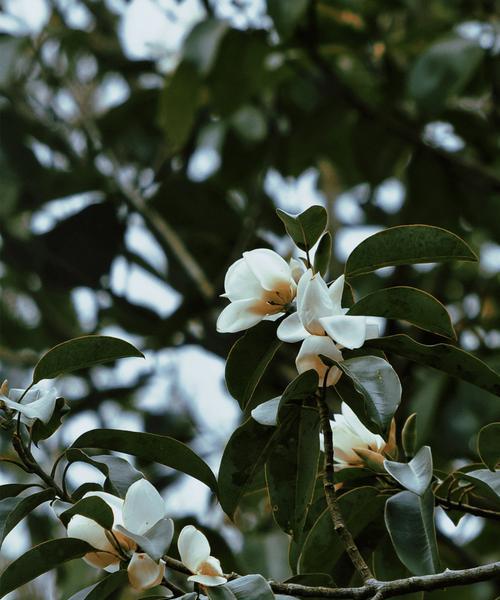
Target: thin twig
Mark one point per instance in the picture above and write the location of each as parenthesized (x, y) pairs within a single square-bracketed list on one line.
[(477, 511)]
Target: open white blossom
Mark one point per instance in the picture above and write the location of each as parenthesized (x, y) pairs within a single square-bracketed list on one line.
[(320, 313), (309, 358), (260, 286), (35, 404), (194, 550), (142, 509)]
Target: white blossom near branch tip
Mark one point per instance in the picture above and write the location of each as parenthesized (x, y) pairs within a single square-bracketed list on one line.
[(320, 313), (259, 286), (142, 509), (35, 404), (194, 550)]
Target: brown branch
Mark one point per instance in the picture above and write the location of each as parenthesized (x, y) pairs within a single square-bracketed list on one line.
[(477, 511), (331, 497)]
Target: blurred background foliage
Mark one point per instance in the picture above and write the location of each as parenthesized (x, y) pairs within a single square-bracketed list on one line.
[(129, 183)]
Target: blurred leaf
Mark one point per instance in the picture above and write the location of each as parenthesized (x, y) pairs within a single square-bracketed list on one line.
[(248, 360), (286, 14), (416, 475), (39, 560), (102, 590), (148, 446), (81, 353), (406, 245), (306, 228), (443, 71), (323, 254), (250, 123), (94, 508), (488, 445), (408, 304), (292, 467), (202, 44), (378, 383), (451, 360), (14, 509), (10, 50), (410, 521)]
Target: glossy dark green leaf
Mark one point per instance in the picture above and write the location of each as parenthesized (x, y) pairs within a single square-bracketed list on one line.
[(409, 436), (303, 387), (322, 548), (13, 489), (323, 254), (487, 482), (407, 304), (39, 560), (442, 71), (248, 360), (81, 353), (249, 587), (102, 590), (305, 229), (410, 521), (151, 447), (15, 509), (244, 455), (286, 14), (450, 359), (488, 445), (378, 383), (406, 245), (93, 508), (42, 431), (416, 475), (292, 467)]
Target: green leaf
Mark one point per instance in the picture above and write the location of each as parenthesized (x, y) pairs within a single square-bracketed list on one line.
[(406, 245), (13, 489), (102, 590), (443, 71), (416, 475), (286, 15), (378, 383), (94, 508), (249, 587), (248, 360), (202, 43), (292, 467), (451, 360), (306, 228), (488, 445), (81, 353), (322, 548), (244, 455), (407, 304), (409, 436), (410, 521), (149, 446), (303, 387), (42, 431), (39, 560), (120, 474), (488, 482), (14, 509), (323, 254)]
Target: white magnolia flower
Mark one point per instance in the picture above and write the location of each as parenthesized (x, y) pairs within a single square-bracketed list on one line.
[(260, 286), (36, 403), (309, 358), (194, 551), (349, 434), (141, 510), (320, 313)]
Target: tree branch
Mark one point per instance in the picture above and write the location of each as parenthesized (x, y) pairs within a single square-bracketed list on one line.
[(331, 498), (477, 511)]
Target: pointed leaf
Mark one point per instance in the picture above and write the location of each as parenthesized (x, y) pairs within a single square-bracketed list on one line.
[(94, 508), (102, 590), (14, 509), (13, 489), (305, 229), (407, 304), (156, 541), (488, 445), (410, 521), (416, 475), (409, 436), (39, 560), (323, 254), (303, 387), (151, 447), (451, 360), (487, 482), (81, 353), (406, 245), (42, 431)]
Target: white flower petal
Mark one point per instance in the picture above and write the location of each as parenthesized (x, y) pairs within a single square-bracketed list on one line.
[(36, 405), (335, 292), (143, 507), (238, 316), (240, 283), (308, 358), (313, 303), (208, 580), (291, 329), (297, 269), (267, 412), (193, 546), (372, 329), (368, 439), (144, 573), (89, 531), (115, 503), (349, 331), (268, 267)]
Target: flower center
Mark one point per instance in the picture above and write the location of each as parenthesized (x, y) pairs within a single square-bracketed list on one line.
[(207, 569)]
